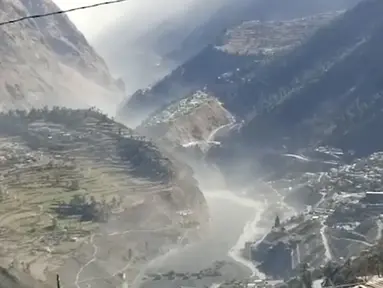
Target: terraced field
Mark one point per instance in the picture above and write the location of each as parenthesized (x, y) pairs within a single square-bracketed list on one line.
[(268, 38), (82, 196)]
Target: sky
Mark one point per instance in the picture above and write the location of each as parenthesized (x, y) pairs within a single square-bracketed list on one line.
[(92, 22), (113, 30)]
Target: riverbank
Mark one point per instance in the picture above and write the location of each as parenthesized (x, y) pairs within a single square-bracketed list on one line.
[(233, 222)]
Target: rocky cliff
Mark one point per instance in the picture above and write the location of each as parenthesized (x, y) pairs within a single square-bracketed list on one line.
[(47, 61), (191, 121)]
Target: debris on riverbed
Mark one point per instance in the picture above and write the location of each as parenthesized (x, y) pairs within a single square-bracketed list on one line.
[(204, 273)]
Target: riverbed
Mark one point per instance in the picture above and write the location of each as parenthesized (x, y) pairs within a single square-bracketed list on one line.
[(233, 222)]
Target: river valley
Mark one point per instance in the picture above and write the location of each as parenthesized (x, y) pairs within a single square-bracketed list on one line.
[(233, 222)]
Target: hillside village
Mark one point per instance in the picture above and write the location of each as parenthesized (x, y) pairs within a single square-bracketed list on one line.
[(55, 165), (285, 113)]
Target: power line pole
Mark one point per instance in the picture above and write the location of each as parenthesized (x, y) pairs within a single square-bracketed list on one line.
[(58, 280), (61, 11)]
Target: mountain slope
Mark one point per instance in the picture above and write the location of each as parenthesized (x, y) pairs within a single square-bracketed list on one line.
[(181, 35), (72, 180), (47, 61), (187, 122), (11, 278), (321, 92), (232, 13), (340, 223), (222, 67)]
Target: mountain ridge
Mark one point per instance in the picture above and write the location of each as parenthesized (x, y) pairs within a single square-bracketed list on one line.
[(218, 68), (357, 48), (74, 180), (40, 51), (171, 45)]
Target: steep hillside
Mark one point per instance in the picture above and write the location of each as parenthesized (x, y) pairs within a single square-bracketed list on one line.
[(272, 37), (339, 218), (188, 122), (83, 196), (183, 33), (233, 13), (47, 61), (326, 91), (13, 278), (221, 67), (320, 92)]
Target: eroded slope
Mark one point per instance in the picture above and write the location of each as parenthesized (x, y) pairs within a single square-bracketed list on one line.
[(47, 61), (190, 121)]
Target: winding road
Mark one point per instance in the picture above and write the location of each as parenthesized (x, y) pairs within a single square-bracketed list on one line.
[(380, 228), (328, 254), (95, 249), (353, 240), (235, 221), (78, 279)]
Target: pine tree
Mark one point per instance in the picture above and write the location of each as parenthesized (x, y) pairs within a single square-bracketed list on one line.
[(130, 254), (277, 222)]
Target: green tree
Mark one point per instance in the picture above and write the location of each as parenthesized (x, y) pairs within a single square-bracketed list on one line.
[(77, 200), (74, 185)]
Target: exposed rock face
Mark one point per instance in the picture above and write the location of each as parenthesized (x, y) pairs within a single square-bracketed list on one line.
[(276, 260), (47, 61), (187, 129), (188, 122)]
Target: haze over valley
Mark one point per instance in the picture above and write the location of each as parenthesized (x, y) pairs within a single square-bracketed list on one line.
[(191, 143)]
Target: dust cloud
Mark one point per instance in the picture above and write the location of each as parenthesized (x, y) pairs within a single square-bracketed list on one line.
[(137, 36), (134, 35)]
